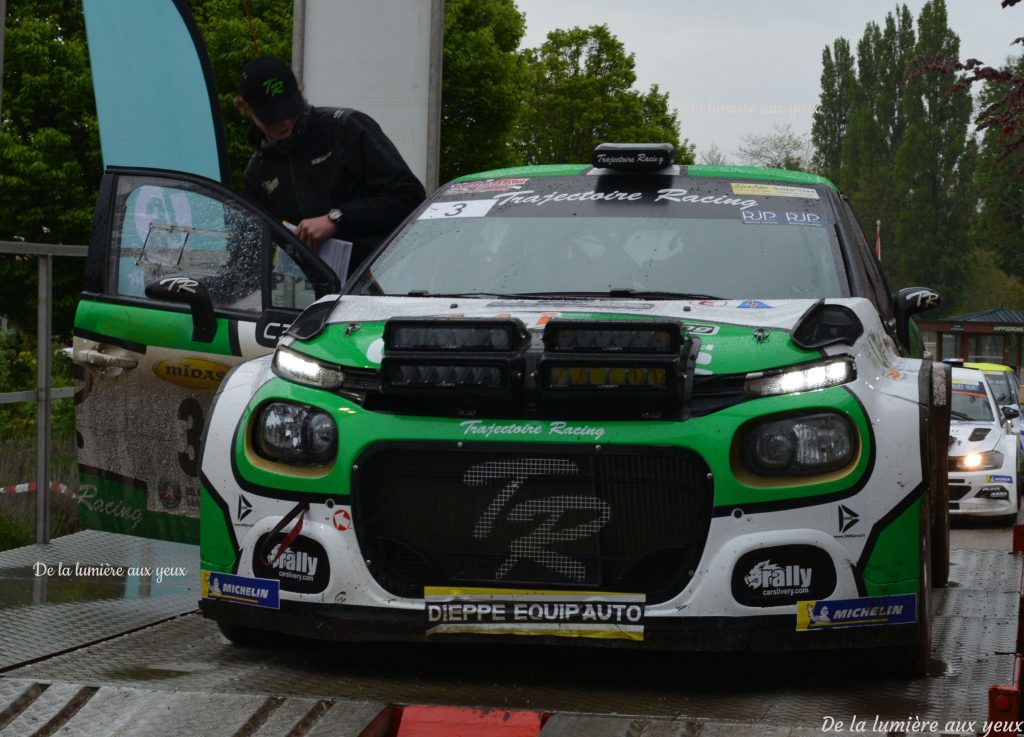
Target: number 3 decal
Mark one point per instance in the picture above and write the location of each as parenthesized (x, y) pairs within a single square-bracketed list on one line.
[(191, 411)]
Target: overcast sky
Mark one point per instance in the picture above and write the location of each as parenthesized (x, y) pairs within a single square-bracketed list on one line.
[(738, 67)]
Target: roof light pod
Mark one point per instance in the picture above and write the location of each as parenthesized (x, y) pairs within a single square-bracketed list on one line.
[(633, 156), (826, 324)]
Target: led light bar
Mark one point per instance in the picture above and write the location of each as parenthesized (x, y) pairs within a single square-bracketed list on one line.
[(626, 366), (455, 335), (805, 378), (427, 375), (458, 357), (577, 375), (612, 336)]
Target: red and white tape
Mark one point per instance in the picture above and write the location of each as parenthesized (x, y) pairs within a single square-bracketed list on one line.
[(55, 487)]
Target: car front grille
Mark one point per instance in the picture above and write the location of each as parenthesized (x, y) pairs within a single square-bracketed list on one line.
[(958, 491), (585, 518)]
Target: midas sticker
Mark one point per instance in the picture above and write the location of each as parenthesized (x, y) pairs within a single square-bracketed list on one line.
[(773, 190), (194, 373)]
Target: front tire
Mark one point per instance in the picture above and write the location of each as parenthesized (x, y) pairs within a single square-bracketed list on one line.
[(247, 636), (915, 659)]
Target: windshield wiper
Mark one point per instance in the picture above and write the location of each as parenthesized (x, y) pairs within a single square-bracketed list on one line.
[(628, 293), (465, 295), (631, 293), (961, 415)]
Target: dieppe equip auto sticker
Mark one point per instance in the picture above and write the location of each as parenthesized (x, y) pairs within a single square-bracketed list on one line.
[(868, 611), (519, 612), (262, 592)]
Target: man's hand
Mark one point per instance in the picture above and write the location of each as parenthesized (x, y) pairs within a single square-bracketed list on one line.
[(314, 231)]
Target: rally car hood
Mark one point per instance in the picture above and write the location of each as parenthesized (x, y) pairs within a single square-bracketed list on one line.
[(986, 436), (736, 336)]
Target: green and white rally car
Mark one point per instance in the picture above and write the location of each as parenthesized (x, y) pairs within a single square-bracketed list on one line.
[(626, 403)]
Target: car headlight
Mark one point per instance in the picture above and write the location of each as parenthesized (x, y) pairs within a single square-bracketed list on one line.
[(977, 461), (799, 445), (808, 377), (296, 434), (301, 369)]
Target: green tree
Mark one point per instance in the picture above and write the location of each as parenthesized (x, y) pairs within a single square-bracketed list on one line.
[(1003, 112), (999, 226), (50, 162), (230, 45), (831, 116), (933, 170), (481, 85), (580, 93), (874, 125)]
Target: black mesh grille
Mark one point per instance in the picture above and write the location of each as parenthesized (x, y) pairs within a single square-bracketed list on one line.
[(546, 517), (958, 491)]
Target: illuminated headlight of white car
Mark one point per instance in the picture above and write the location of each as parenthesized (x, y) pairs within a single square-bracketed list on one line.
[(805, 378), (301, 369), (986, 461), (295, 434), (800, 445)]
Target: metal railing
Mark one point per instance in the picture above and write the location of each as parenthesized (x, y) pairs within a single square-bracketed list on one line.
[(44, 393)]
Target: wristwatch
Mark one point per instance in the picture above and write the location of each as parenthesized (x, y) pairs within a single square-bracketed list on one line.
[(334, 215)]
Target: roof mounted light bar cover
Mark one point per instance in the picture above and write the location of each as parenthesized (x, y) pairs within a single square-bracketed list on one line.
[(633, 156)]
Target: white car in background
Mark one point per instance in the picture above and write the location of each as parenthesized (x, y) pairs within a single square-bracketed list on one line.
[(983, 451)]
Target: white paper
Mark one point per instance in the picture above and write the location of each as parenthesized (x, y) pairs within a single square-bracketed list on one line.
[(335, 253)]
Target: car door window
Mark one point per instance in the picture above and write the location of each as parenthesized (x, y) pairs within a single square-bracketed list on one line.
[(172, 227), (290, 288)]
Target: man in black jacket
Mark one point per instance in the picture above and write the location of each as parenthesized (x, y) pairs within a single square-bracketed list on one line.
[(332, 172)]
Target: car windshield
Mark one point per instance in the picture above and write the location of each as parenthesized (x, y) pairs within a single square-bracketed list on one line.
[(1000, 383), (971, 403), (590, 236)]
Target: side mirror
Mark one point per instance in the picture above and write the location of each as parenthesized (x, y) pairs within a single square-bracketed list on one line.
[(1010, 413), (186, 290), (908, 303)]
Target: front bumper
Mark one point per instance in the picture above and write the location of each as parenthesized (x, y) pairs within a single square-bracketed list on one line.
[(691, 634), (977, 493)]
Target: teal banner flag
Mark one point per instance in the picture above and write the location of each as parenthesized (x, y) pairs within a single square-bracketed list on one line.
[(155, 97)]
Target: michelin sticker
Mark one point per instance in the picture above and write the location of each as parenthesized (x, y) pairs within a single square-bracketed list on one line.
[(262, 592), (868, 611)]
